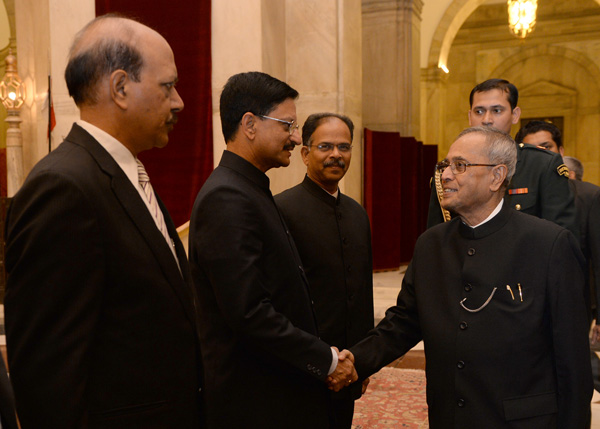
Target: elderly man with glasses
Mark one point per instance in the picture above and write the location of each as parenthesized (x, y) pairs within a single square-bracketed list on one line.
[(497, 296), (333, 236)]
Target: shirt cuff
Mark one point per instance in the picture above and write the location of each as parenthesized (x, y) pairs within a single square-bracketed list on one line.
[(334, 361)]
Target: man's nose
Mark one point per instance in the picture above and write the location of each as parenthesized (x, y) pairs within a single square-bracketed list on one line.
[(447, 174), (487, 119), (295, 137), (176, 101)]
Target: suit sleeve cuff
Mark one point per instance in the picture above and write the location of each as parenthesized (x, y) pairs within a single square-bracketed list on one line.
[(334, 361)]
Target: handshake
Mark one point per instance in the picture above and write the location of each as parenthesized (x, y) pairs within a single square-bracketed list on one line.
[(344, 374)]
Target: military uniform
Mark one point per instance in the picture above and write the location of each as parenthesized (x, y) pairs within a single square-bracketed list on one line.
[(540, 187)]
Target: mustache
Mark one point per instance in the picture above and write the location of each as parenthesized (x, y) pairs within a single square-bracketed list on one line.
[(289, 146), (335, 163), (173, 119)]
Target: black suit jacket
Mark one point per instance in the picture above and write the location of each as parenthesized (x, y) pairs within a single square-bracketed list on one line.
[(264, 365), (7, 400), (333, 236), (506, 363), (587, 202), (101, 324)]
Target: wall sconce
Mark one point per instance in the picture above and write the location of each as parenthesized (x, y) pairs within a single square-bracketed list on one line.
[(12, 95), (521, 17)]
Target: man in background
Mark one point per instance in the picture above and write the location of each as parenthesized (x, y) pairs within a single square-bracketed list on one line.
[(542, 134), (265, 364), (587, 198), (100, 310), (333, 237), (539, 186), (497, 296)]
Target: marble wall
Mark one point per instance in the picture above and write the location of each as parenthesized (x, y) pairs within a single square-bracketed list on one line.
[(45, 30)]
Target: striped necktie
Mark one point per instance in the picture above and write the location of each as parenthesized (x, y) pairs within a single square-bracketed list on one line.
[(154, 208)]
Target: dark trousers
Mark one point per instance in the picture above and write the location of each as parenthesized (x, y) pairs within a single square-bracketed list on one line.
[(342, 413)]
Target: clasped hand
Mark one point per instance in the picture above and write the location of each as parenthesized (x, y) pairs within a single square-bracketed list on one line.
[(344, 373)]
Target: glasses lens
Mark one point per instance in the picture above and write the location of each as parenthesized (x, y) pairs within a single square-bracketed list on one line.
[(344, 147), (459, 167), (325, 147), (441, 166)]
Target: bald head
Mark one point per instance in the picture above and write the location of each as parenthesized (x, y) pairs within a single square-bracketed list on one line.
[(106, 44)]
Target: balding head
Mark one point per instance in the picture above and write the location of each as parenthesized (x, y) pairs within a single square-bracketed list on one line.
[(106, 44)]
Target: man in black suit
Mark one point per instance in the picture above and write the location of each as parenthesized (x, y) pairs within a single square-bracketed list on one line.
[(335, 245), (587, 201), (100, 313), (265, 365), (497, 296)]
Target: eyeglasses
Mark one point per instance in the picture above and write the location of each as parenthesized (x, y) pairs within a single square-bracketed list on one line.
[(458, 167), (292, 126), (327, 147)]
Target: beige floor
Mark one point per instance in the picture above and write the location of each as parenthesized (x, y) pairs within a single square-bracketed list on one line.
[(386, 286)]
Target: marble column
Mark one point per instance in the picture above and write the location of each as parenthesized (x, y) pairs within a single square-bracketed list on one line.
[(433, 102), (391, 65), (45, 30)]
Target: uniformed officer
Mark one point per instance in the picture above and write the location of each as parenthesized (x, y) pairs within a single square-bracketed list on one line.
[(540, 184)]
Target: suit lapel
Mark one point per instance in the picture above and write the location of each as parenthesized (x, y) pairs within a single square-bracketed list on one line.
[(135, 207)]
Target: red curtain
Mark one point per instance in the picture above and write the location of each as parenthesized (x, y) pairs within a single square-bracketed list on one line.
[(179, 170), (397, 173)]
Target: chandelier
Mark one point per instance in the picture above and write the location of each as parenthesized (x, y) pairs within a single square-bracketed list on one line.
[(521, 16)]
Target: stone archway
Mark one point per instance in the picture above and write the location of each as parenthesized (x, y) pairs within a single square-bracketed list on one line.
[(566, 84), (456, 14)]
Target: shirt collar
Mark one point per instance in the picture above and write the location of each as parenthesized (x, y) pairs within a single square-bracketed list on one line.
[(122, 156), (492, 214)]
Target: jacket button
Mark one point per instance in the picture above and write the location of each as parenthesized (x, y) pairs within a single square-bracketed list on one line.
[(471, 251), (460, 364), (463, 325), (518, 207), (460, 403), (468, 287)]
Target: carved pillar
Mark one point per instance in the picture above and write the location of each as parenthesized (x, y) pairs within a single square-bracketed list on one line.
[(433, 112), (391, 65)]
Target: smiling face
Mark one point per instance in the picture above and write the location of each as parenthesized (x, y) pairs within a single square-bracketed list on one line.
[(492, 109), (326, 168), (273, 144), (473, 195), (544, 139)]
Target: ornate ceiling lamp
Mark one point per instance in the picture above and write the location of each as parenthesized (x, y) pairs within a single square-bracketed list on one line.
[(521, 17)]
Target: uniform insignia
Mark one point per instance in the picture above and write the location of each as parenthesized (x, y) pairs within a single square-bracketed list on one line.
[(518, 191), (563, 170)]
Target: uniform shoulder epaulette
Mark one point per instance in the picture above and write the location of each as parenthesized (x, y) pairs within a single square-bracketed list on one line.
[(523, 146)]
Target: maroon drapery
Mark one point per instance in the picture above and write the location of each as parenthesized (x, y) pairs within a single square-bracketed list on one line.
[(179, 170), (397, 173)]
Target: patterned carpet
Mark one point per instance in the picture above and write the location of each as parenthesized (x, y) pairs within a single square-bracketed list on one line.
[(395, 399)]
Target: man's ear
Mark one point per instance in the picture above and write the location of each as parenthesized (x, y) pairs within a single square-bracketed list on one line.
[(499, 173), (516, 115), (119, 80), (248, 125), (304, 153)]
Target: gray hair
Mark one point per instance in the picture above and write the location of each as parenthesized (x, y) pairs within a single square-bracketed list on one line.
[(501, 148), (574, 165)]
